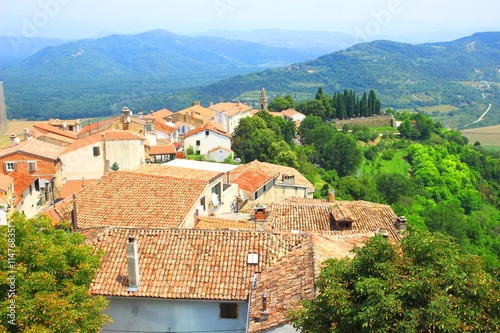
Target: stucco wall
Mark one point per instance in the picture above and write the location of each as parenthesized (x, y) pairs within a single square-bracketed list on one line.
[(129, 154), (159, 315), (82, 163), (207, 142)]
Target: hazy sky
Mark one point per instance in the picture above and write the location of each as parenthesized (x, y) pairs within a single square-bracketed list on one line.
[(88, 18)]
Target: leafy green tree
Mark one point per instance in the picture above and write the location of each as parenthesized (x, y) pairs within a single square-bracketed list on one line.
[(51, 274), (343, 154), (393, 186), (421, 285), (281, 103)]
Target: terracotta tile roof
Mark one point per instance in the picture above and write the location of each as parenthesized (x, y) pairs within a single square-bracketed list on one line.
[(188, 263), (250, 177), (166, 128), (72, 186), (179, 172), (162, 149), (59, 138), (132, 199), (5, 182), (109, 135), (21, 181), (97, 125), (210, 126), (286, 284), (60, 211), (59, 122), (198, 112), (248, 207), (230, 108), (219, 148), (160, 115), (34, 147), (276, 114), (217, 223), (44, 128), (308, 215), (291, 279)]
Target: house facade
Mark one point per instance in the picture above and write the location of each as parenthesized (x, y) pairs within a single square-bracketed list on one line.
[(37, 159), (92, 156), (207, 137)]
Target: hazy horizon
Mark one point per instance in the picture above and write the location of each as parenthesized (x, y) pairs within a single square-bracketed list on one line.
[(364, 19)]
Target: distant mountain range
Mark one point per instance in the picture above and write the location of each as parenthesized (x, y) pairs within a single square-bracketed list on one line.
[(96, 76), (453, 81)]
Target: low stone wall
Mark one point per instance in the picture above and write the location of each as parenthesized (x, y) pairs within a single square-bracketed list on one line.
[(375, 121)]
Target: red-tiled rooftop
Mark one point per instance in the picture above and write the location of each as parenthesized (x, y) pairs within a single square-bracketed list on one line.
[(34, 147), (21, 181), (179, 172), (45, 128), (5, 182), (210, 126), (107, 135), (72, 186), (217, 223), (132, 199), (162, 150), (188, 263), (160, 115), (230, 108)]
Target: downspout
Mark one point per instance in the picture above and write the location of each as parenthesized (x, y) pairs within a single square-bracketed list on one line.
[(248, 310)]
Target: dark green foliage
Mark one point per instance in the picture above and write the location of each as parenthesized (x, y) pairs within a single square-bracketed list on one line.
[(53, 272), (342, 153), (423, 286)]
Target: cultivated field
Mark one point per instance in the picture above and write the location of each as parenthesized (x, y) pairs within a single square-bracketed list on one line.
[(443, 108), (16, 127), (487, 136)]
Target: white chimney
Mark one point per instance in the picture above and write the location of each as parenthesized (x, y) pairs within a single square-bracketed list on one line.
[(13, 139), (134, 280)]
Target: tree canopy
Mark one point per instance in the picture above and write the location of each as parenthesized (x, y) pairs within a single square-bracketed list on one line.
[(421, 285), (47, 279)]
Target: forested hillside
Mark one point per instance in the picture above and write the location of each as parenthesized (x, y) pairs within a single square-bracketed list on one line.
[(431, 175), (97, 77), (454, 82)]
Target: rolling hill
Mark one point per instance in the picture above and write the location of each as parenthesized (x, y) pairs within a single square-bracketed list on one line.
[(96, 77), (459, 79)]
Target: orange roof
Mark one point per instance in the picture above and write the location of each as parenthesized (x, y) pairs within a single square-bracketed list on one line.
[(187, 263), (163, 149), (34, 147), (5, 182), (199, 112), (46, 128), (132, 199), (211, 222), (96, 125), (160, 126), (109, 135), (230, 108), (160, 115), (72, 186), (60, 211), (250, 177), (209, 126), (290, 113), (21, 181), (179, 172), (308, 215)]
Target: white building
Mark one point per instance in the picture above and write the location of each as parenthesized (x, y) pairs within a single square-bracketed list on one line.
[(207, 137), (229, 114), (93, 156)]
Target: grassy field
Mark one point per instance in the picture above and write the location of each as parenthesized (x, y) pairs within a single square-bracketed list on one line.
[(443, 108), (396, 165), (16, 127), (488, 136)]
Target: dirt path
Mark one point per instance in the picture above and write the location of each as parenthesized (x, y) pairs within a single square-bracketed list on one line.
[(482, 116)]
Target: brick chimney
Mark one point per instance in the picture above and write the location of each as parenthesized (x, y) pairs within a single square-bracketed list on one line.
[(401, 223), (260, 212), (331, 195), (134, 280), (264, 314)]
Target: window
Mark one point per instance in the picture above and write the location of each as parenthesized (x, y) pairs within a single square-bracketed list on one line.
[(207, 132), (97, 151), (228, 310), (10, 166), (32, 166), (198, 142), (148, 127)]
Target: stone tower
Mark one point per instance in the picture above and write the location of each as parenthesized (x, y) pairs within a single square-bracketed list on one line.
[(263, 100)]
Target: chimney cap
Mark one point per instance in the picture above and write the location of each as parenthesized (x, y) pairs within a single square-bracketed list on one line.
[(131, 239)]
